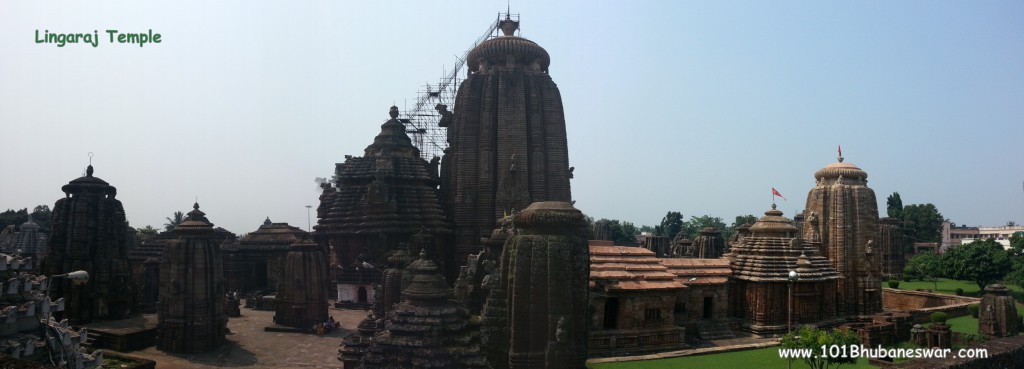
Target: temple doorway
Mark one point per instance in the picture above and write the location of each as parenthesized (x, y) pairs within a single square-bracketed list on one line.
[(361, 296), (611, 313), (709, 307)]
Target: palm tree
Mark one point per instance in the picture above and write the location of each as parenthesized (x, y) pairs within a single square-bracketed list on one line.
[(173, 222)]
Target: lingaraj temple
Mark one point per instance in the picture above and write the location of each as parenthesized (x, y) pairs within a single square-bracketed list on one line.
[(481, 260)]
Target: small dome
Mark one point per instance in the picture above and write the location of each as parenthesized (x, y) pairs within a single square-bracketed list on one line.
[(840, 169), (773, 224), (497, 50)]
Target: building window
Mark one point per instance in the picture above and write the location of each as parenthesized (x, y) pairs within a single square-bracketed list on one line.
[(680, 307), (652, 315)]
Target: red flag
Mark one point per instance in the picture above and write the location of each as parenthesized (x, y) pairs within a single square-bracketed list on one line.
[(840, 150), (776, 193)]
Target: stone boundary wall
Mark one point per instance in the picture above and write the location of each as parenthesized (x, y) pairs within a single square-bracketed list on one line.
[(1003, 353), (922, 304)]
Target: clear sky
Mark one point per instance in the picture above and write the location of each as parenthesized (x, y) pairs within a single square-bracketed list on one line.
[(697, 107)]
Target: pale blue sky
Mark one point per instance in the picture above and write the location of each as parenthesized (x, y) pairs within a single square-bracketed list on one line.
[(698, 107)]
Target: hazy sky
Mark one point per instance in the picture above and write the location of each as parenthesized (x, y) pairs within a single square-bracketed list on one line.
[(698, 107)]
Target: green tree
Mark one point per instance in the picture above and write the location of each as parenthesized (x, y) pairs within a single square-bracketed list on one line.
[(982, 262), (695, 224), (147, 232), (671, 224), (628, 235), (924, 222), (622, 233), (810, 338), (926, 266), (740, 220), (173, 221), (894, 206), (13, 217), (1016, 252)]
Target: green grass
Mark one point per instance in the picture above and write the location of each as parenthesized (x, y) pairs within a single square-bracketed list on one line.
[(765, 358), (964, 324)]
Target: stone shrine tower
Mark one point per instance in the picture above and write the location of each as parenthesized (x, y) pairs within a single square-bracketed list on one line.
[(842, 214), (997, 314), (507, 138), (709, 244), (190, 314), (761, 262), (537, 315), (380, 201), (88, 232), (302, 292)]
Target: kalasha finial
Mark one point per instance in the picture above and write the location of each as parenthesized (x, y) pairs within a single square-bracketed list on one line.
[(195, 206), (508, 26), (393, 112), (88, 169)]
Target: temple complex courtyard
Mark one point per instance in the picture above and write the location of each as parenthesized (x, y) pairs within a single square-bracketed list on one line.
[(250, 346)]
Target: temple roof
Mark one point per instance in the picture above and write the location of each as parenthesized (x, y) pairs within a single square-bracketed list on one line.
[(704, 271), (840, 169), (427, 282), (390, 190), (618, 268), (279, 235), (88, 182), (496, 51), (772, 250), (194, 221)]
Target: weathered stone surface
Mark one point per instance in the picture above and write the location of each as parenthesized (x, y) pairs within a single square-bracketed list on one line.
[(255, 262), (190, 313), (508, 144), (427, 329), (89, 233), (709, 244), (997, 314), (842, 215), (539, 317), (380, 201), (302, 294), (761, 263), (682, 246), (892, 244)]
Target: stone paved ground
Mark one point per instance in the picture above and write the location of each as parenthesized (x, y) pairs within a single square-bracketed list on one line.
[(249, 346)]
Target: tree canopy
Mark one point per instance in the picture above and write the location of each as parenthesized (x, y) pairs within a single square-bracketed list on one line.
[(622, 233), (670, 225), (924, 222), (894, 206), (982, 261), (40, 215), (174, 220), (926, 266), (695, 224)]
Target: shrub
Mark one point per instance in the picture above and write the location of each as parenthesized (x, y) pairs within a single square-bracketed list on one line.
[(894, 284), (973, 308), (959, 291), (906, 278), (939, 317)]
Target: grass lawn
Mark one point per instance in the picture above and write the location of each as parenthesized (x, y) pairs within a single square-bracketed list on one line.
[(964, 324), (765, 358)]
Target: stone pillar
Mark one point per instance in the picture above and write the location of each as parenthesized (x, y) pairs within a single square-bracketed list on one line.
[(939, 336)]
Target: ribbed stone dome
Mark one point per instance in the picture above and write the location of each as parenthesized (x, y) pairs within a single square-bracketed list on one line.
[(773, 224), (497, 50), (840, 169)]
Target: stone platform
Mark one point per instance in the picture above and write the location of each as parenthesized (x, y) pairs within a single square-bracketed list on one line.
[(135, 333), (250, 346)]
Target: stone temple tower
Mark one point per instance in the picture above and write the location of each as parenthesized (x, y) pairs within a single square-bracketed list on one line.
[(190, 315), (842, 214), (507, 138), (302, 292), (88, 232)]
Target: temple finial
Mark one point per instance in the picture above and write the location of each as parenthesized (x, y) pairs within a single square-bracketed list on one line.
[(88, 169), (393, 112), (508, 26)]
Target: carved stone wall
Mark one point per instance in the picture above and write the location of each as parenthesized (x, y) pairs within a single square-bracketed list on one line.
[(892, 244), (508, 138), (709, 244), (541, 300), (302, 294), (997, 314)]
